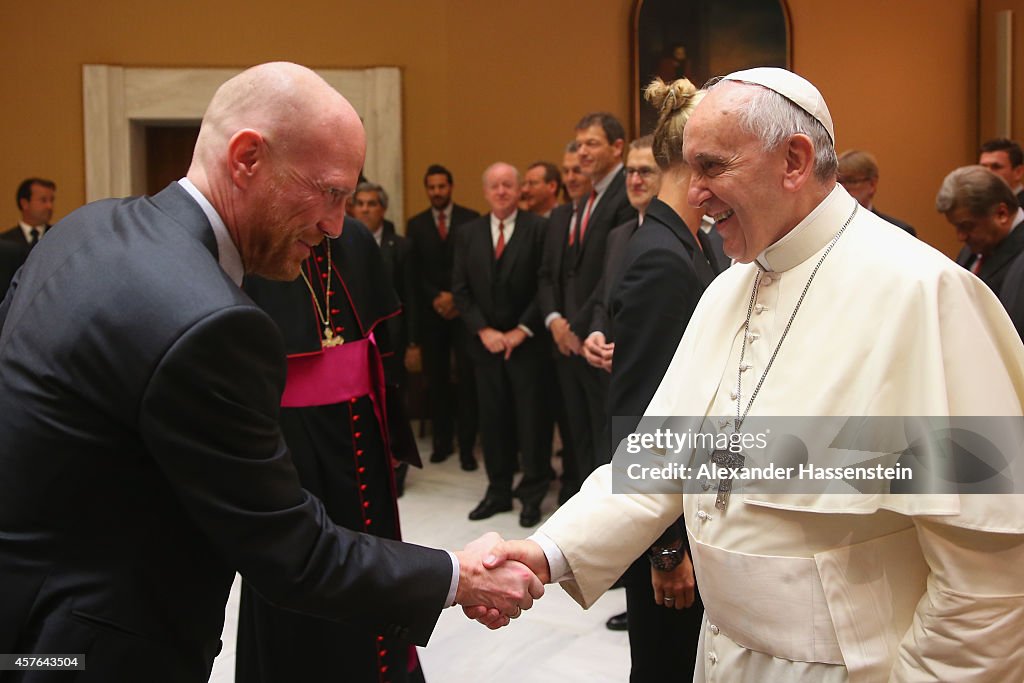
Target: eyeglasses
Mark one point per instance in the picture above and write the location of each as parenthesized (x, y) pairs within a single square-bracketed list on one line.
[(644, 172)]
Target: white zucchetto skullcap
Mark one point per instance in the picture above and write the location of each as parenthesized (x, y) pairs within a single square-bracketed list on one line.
[(794, 88)]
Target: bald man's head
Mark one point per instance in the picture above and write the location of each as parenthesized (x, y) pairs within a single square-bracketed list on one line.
[(278, 152)]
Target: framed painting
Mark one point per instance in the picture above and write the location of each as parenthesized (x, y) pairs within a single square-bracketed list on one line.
[(699, 39)]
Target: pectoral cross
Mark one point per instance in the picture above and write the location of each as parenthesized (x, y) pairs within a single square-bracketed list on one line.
[(727, 459), (330, 340)]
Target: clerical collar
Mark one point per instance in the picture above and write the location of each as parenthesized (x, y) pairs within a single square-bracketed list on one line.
[(810, 235), (227, 253)]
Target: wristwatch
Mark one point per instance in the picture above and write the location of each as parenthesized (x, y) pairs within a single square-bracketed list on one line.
[(665, 559)]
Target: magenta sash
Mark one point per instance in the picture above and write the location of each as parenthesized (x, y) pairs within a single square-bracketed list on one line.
[(338, 374)]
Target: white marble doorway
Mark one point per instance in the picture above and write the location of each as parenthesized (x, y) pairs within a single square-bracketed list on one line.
[(120, 102)]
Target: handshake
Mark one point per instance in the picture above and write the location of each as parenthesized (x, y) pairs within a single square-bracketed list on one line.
[(498, 579)]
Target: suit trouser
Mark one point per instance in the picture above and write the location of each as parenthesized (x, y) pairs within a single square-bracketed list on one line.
[(441, 340), (662, 641), (585, 392), (511, 412)]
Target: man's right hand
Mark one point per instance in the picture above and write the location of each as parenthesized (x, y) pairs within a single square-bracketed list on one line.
[(494, 595), (444, 306), (492, 339), (566, 340)]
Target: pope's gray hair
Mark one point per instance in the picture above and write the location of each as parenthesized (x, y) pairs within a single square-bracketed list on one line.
[(773, 119)]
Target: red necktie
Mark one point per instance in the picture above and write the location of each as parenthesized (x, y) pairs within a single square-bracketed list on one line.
[(573, 225), (976, 267), (586, 215), (442, 228), (499, 248)]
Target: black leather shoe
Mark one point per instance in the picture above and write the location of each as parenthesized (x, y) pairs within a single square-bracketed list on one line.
[(530, 516), (489, 507), (618, 623), (468, 462), (439, 456)]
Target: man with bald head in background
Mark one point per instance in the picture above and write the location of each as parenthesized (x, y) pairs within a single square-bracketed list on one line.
[(494, 282), (142, 462)]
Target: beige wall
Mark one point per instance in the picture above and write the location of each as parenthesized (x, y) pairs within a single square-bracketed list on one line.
[(482, 84)]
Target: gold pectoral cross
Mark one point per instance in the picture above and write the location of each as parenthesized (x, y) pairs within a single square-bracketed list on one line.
[(330, 340)]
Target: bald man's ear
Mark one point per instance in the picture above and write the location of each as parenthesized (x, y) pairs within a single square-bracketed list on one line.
[(799, 162), (246, 154)]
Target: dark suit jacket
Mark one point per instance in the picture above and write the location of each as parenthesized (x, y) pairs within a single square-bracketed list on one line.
[(615, 253), (1012, 294), (12, 255), (142, 461), (582, 264), (500, 294), (662, 276), (17, 235), (549, 286), (395, 252), (432, 258), (997, 264), (896, 221)]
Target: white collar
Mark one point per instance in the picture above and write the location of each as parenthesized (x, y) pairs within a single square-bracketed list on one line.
[(227, 253)]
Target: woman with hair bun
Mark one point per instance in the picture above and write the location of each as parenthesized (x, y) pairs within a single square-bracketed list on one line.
[(669, 262)]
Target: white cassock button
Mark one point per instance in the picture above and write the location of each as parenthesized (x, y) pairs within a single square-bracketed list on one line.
[(745, 366), (732, 395), (760, 308), (713, 658), (701, 515), (714, 630), (753, 336), (724, 421)]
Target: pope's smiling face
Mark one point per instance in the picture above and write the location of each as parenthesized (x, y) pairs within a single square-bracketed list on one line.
[(735, 181)]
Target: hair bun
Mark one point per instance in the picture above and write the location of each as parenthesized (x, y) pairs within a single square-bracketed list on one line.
[(669, 97)]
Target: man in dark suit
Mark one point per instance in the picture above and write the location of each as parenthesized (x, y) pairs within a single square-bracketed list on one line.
[(567, 287), (495, 285), (370, 205), (858, 174), (440, 331), (142, 462), (12, 255), (35, 198), (987, 218), (985, 213), (1004, 157), (549, 298)]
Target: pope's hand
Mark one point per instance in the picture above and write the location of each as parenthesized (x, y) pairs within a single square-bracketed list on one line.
[(525, 551), (494, 595)]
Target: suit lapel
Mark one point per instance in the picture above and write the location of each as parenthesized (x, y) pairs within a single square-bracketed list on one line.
[(663, 213), (1005, 252), (604, 208)]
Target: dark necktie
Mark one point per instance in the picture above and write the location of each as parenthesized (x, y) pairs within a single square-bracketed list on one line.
[(33, 237)]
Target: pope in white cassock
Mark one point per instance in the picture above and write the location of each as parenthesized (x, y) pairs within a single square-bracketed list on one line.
[(822, 588)]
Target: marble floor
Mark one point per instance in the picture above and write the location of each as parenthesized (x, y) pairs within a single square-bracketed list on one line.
[(556, 641)]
